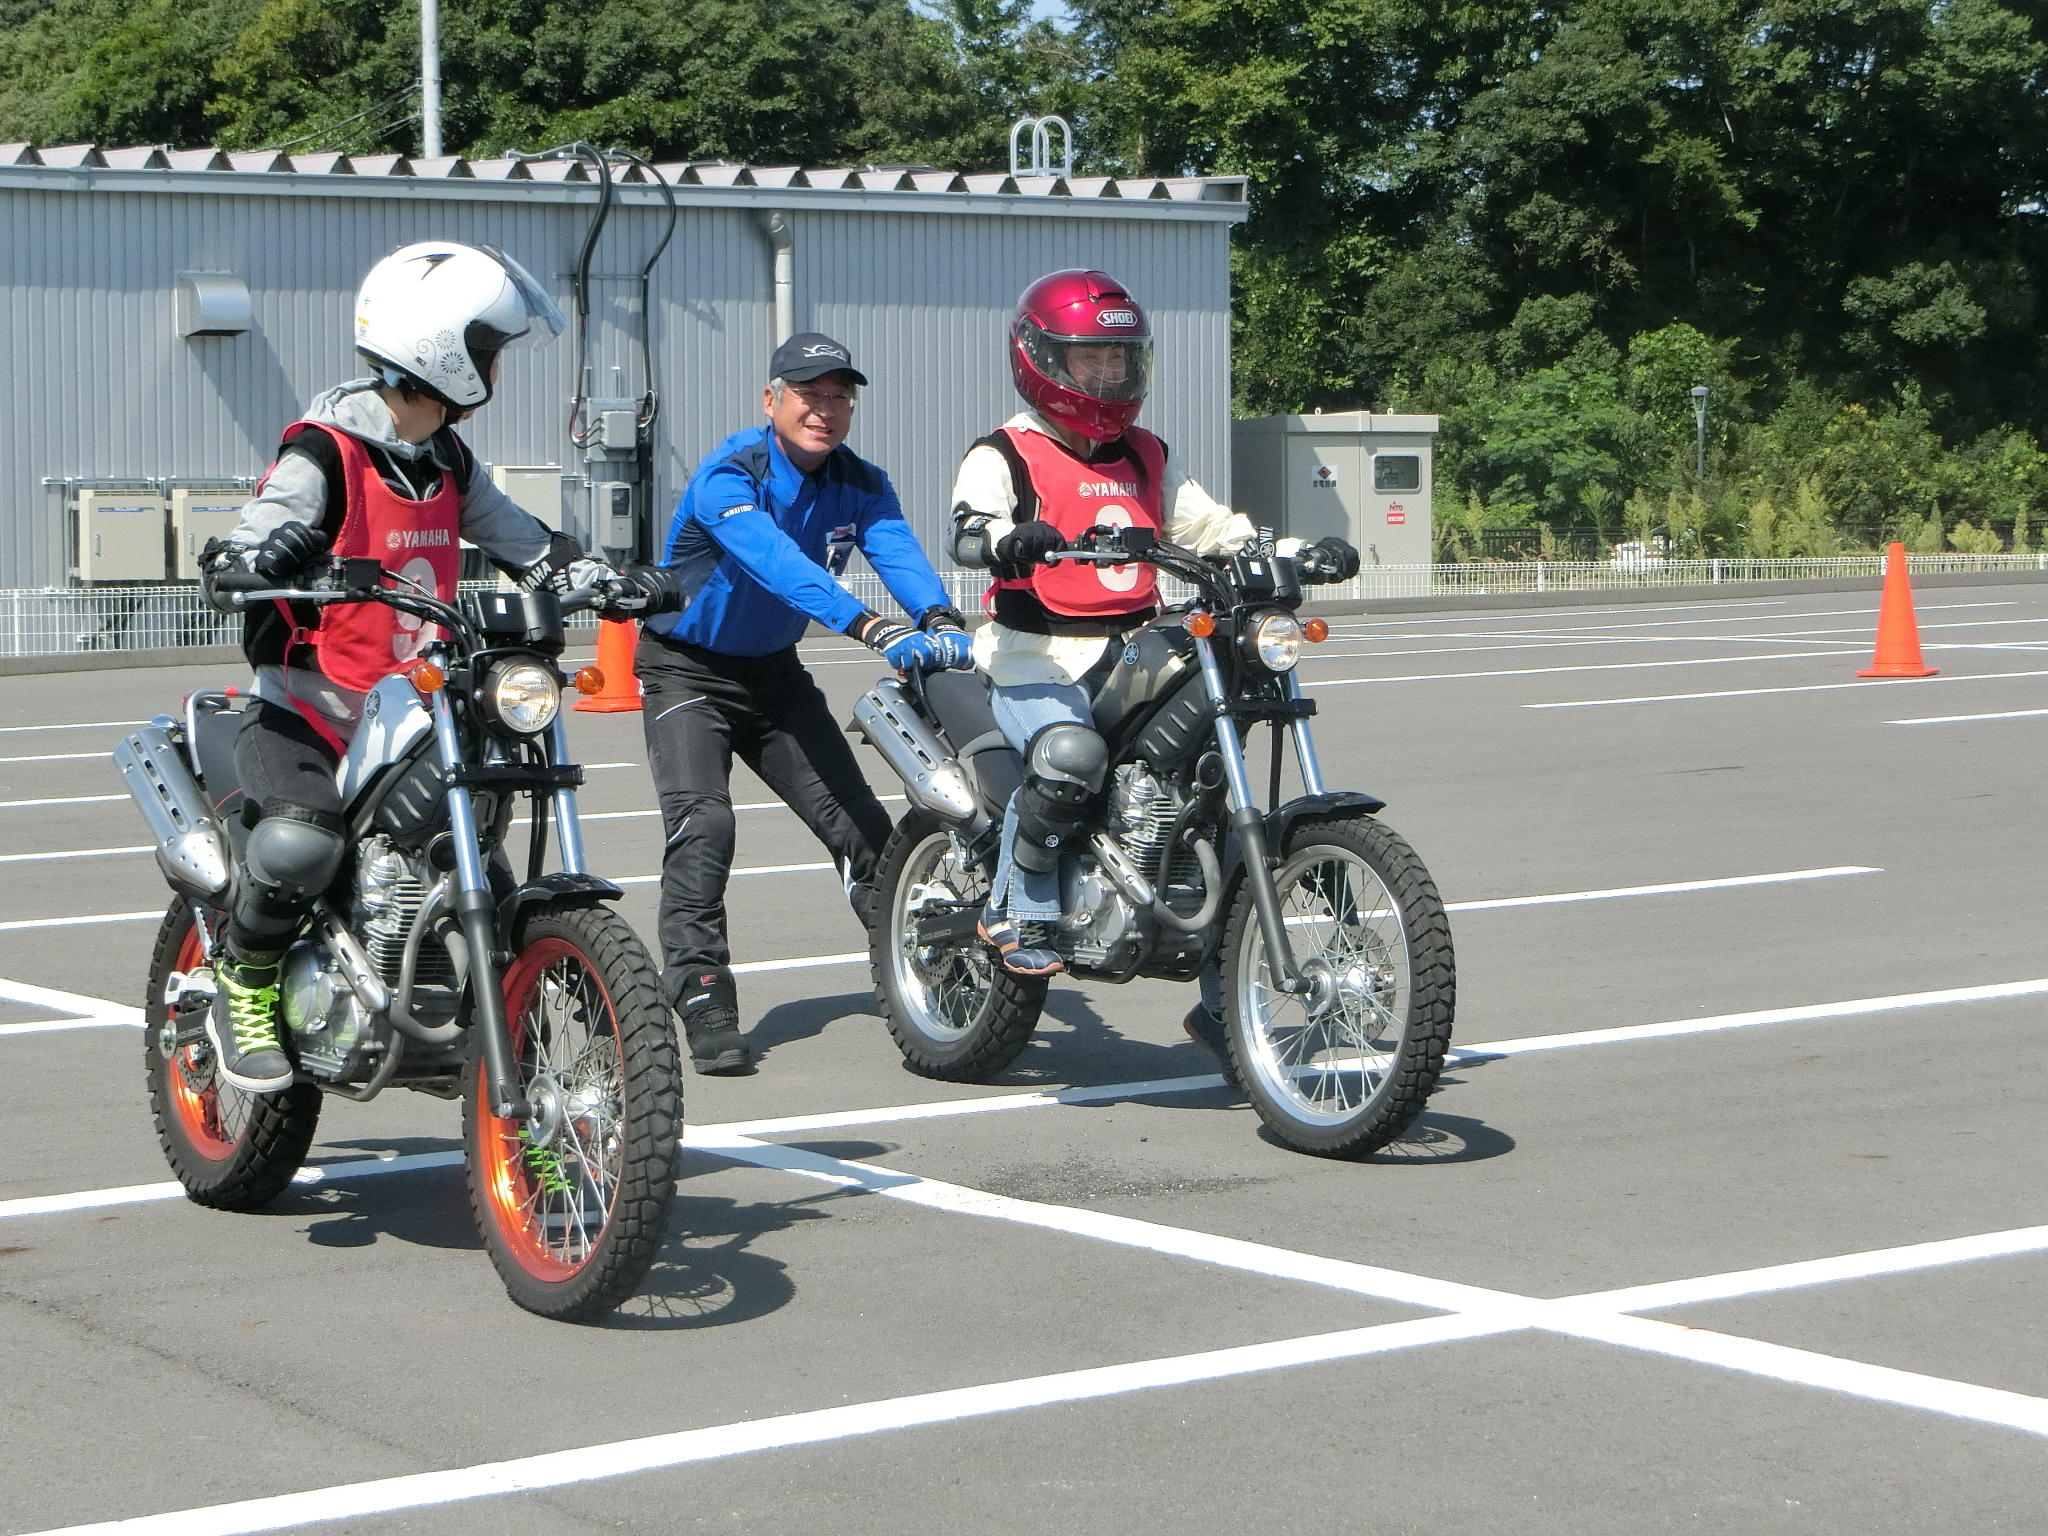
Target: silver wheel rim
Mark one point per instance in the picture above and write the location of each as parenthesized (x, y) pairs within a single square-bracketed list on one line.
[(1324, 1057), (941, 990), (575, 1147)]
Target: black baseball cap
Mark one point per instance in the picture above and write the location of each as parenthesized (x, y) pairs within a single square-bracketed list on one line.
[(810, 355)]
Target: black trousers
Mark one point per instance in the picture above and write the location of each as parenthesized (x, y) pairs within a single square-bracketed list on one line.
[(286, 769), (701, 709)]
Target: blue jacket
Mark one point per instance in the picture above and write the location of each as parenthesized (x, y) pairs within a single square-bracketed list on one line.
[(749, 541)]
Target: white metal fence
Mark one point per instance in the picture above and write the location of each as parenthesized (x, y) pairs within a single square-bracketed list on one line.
[(61, 621), (55, 621)]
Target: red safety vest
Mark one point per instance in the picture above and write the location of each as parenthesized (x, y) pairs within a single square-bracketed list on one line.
[(1124, 492), (360, 643)]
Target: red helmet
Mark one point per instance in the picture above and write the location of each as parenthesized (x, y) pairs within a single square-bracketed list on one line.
[(1081, 352)]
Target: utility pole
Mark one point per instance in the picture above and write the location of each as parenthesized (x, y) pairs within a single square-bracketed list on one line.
[(1699, 416), (430, 76)]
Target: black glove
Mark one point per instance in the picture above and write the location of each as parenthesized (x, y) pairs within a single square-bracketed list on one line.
[(284, 556), (1328, 560), (640, 591), (1028, 543)]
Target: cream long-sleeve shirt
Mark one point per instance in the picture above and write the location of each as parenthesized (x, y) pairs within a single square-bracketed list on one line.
[(1013, 657)]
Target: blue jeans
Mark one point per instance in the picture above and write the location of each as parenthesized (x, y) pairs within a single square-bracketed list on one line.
[(1021, 712), (1027, 895)]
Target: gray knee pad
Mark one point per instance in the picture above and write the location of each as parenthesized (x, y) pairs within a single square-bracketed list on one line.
[(1065, 765), (287, 862)]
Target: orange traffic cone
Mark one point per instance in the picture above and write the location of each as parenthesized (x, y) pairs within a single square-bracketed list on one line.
[(1898, 634), (615, 641)]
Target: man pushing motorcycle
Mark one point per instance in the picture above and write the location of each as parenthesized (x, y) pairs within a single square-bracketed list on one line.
[(374, 469), (1081, 356)]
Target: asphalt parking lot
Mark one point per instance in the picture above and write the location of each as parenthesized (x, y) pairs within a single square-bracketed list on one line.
[(1727, 1217)]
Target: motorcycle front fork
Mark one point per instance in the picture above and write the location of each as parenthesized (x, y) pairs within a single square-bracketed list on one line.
[(1248, 823), (476, 908)]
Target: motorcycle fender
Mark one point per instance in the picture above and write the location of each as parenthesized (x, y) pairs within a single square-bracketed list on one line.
[(571, 890), (1335, 802)]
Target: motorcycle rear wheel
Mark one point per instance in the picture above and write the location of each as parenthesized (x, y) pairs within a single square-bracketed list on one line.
[(232, 1150), (954, 1012), (1345, 1070), (573, 1205)]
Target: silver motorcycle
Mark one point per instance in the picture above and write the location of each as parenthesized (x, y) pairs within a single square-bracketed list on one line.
[(428, 964)]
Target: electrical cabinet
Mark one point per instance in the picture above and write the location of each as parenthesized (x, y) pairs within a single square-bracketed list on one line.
[(535, 487), (198, 515), (117, 535), (1356, 474)]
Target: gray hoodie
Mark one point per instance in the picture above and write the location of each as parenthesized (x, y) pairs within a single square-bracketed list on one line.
[(297, 492)]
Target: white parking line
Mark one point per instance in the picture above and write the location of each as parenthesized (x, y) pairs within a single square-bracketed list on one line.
[(2010, 714), (802, 962), (1476, 1312), (72, 853), (78, 725), (22, 805), (1744, 693), (60, 757), (998, 1103), (1591, 666)]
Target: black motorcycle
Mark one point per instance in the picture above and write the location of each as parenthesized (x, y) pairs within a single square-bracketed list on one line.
[(428, 965), (1336, 953)]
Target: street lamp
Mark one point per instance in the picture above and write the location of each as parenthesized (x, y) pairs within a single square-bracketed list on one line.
[(430, 77), (1699, 416)]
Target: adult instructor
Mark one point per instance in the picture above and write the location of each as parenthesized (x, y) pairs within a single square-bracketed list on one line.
[(771, 516)]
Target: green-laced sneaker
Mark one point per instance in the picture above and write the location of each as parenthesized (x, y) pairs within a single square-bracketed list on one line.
[(243, 1028)]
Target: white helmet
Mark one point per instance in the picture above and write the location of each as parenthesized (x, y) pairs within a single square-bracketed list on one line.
[(433, 315)]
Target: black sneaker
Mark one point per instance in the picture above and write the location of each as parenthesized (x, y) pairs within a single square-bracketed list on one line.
[(1206, 1029), (710, 1010), (243, 1028)]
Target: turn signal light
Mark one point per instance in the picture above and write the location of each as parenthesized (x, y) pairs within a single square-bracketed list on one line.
[(1315, 631), (426, 677), (589, 680), (1201, 625)]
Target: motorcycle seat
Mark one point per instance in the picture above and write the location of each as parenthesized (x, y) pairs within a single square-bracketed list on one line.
[(216, 718), (960, 701)]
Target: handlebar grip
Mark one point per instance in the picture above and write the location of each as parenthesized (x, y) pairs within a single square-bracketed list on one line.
[(239, 581)]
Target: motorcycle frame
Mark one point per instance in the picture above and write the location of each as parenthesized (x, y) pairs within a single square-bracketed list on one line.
[(488, 925)]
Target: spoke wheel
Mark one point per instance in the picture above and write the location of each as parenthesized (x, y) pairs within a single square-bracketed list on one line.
[(230, 1149), (954, 1012), (1345, 1067), (573, 1201)]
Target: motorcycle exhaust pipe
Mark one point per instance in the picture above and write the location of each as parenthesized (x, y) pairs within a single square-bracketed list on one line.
[(932, 776), (191, 844)]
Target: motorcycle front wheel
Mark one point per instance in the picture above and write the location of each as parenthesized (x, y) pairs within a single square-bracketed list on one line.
[(231, 1149), (954, 1012), (573, 1202), (1343, 1069)]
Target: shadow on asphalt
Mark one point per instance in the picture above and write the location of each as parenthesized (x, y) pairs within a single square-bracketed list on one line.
[(704, 1276), (786, 1023)]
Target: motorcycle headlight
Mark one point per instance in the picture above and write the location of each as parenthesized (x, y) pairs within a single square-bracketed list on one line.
[(1275, 642), (523, 696)]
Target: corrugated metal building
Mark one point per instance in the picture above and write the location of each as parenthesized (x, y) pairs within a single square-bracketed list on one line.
[(916, 272)]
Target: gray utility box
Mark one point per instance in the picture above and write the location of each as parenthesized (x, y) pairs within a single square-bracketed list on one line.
[(536, 488), (200, 513), (1357, 474), (117, 535)]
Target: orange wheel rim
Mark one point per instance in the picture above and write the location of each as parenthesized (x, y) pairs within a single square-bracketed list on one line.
[(553, 1203), (194, 1090)]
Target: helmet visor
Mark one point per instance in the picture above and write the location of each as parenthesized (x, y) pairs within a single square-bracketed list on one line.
[(542, 309), (1089, 365)]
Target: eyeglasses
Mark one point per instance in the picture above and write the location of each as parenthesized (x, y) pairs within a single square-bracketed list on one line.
[(824, 401)]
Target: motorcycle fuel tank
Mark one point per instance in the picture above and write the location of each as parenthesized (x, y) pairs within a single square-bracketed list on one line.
[(1154, 659), (393, 719)]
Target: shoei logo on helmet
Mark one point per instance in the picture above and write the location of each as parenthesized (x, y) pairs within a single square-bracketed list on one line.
[(1118, 317)]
